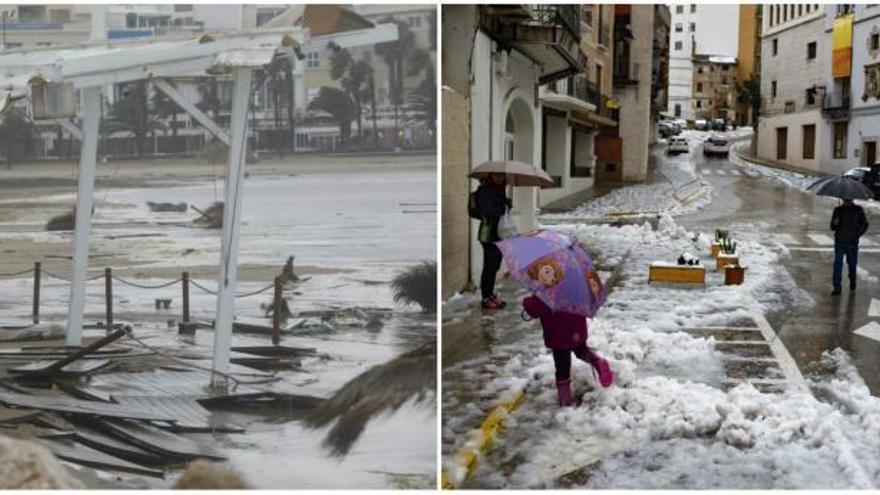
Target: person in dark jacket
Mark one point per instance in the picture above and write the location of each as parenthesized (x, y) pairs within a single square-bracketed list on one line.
[(848, 223), (492, 204)]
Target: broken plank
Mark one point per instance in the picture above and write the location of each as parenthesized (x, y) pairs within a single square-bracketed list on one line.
[(153, 439), (188, 413), (76, 406), (276, 351), (48, 367), (86, 456), (267, 363)]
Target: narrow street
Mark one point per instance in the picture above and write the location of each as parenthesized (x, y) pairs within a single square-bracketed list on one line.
[(763, 385)]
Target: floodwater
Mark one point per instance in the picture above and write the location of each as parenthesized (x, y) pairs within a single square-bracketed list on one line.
[(351, 232)]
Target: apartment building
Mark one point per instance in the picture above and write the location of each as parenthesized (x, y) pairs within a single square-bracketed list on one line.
[(714, 87), (795, 64)]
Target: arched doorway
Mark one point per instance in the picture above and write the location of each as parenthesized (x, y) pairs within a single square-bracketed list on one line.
[(519, 142)]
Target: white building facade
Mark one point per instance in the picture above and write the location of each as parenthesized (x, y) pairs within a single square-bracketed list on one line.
[(863, 126), (795, 64)]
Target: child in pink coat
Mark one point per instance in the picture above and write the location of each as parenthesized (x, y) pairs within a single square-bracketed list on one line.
[(564, 333)]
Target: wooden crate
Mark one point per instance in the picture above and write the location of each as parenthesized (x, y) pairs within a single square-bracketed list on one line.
[(725, 259), (671, 272)]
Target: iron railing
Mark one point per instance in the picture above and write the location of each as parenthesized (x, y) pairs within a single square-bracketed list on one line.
[(836, 105), (580, 87), (567, 16)]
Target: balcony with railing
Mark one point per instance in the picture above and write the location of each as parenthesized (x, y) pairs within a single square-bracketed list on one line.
[(836, 105), (588, 92), (547, 34), (567, 16)]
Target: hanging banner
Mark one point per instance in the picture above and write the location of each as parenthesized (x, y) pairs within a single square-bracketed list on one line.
[(841, 46)]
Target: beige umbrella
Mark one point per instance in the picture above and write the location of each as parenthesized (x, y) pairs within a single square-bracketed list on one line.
[(517, 173)]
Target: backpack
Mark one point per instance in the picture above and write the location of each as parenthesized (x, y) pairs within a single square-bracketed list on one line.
[(473, 209)]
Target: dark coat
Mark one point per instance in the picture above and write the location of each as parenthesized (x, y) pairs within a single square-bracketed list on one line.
[(848, 223), (561, 330), (491, 204)]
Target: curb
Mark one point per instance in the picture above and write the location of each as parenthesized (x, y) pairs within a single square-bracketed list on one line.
[(469, 455)]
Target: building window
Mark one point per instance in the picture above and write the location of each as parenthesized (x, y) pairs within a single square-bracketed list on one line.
[(777, 14), (781, 143), (678, 27), (700, 69), (789, 107), (800, 10), (693, 27), (699, 87), (415, 21), (844, 9), (775, 46), (811, 50), (810, 96), (679, 9), (723, 79), (872, 81), (678, 46), (313, 60), (693, 8), (773, 89), (809, 147), (840, 131), (875, 41), (678, 109), (699, 104), (588, 16)]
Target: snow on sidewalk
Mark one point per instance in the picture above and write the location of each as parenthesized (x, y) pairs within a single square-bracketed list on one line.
[(668, 422)]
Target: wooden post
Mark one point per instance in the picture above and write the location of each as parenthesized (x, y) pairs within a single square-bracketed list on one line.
[(276, 313), (108, 297), (36, 313), (185, 297)]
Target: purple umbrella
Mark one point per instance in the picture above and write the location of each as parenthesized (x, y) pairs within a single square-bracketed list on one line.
[(556, 269)]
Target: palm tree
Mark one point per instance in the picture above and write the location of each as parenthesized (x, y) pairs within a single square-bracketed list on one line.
[(340, 107), (353, 77), (164, 108), (132, 114), (17, 136), (394, 53), (423, 101), (383, 388), (209, 99)]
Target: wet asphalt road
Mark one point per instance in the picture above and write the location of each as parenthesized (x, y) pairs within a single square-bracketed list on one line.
[(754, 206)]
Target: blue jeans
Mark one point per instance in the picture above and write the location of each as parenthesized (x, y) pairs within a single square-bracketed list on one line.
[(851, 251)]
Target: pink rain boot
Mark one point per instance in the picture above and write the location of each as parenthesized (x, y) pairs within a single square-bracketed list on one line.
[(606, 378), (563, 388)]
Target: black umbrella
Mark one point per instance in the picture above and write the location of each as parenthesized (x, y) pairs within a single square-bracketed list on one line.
[(840, 187)]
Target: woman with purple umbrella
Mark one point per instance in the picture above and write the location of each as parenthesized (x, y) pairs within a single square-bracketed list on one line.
[(565, 291)]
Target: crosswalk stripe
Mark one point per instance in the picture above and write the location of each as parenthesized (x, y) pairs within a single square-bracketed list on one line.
[(785, 239), (874, 309), (734, 172), (821, 239), (871, 331), (705, 171), (720, 172)]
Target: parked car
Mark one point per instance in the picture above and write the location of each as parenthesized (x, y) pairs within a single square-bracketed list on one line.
[(858, 173), (678, 127), (719, 125), (863, 175), (665, 129), (676, 145), (716, 145), (701, 125)]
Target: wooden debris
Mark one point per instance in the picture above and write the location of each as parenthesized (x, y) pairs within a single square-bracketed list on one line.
[(167, 207)]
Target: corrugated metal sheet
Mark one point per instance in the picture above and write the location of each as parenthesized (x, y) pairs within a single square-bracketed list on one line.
[(76, 406)]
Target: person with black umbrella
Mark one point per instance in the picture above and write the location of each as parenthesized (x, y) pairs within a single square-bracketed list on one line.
[(848, 221)]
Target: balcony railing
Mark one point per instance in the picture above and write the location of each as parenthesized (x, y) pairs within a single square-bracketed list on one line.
[(567, 16), (836, 105), (588, 92), (625, 72)]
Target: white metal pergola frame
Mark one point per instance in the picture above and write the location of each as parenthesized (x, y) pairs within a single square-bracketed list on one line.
[(93, 66)]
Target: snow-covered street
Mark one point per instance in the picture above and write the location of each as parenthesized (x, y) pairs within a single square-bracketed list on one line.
[(761, 385)]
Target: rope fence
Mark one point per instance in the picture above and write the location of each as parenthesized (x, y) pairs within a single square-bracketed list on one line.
[(185, 280)]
